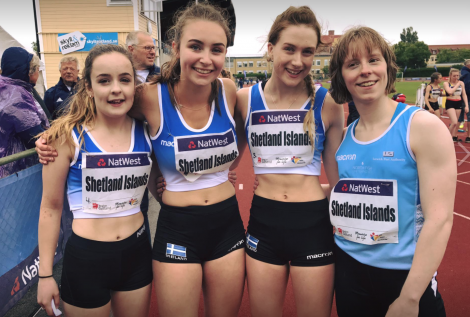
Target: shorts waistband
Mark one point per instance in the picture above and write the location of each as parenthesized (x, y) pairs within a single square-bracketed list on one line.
[(290, 206), (227, 203), (109, 245)]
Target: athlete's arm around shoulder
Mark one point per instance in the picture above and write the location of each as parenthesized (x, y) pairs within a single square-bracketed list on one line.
[(333, 118), (146, 106), (241, 107), (431, 144), (54, 176), (449, 90)]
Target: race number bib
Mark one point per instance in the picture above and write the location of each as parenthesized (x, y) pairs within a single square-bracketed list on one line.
[(277, 138), (365, 210), (113, 182), (205, 154)]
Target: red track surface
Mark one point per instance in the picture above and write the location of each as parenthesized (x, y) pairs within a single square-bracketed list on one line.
[(454, 272)]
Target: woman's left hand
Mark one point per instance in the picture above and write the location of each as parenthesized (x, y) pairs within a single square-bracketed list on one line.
[(161, 186), (466, 109), (402, 307), (232, 177)]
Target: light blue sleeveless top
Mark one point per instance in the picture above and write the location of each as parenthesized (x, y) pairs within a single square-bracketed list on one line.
[(388, 157)]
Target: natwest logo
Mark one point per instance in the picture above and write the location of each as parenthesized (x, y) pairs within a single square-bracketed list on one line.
[(262, 119), (191, 145), (344, 188), (95, 206), (259, 159), (16, 286), (101, 162)]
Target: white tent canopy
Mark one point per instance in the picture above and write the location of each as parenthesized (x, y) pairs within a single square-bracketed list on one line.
[(6, 41)]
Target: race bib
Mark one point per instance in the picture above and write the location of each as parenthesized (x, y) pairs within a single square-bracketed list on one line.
[(113, 182), (205, 154), (277, 138), (365, 210)]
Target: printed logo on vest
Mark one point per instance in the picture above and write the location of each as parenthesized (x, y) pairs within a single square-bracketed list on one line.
[(374, 236)]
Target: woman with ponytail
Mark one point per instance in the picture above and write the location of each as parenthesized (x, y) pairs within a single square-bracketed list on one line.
[(286, 122)]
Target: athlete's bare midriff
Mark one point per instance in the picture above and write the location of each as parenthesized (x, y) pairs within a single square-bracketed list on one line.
[(290, 187), (200, 197), (108, 229)]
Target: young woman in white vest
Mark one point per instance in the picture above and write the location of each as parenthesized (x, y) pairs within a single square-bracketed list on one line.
[(392, 207), (104, 158), (456, 101)]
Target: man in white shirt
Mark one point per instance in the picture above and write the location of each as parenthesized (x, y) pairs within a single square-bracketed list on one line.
[(140, 44)]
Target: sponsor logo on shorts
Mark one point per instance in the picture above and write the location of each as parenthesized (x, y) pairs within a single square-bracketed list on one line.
[(251, 243), (319, 255), (176, 252), (239, 243), (139, 233)]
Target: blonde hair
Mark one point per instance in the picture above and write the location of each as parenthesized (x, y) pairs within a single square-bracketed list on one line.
[(68, 59), (171, 71), (82, 109), (299, 16), (452, 70), (466, 62), (351, 43), (132, 37), (34, 65)]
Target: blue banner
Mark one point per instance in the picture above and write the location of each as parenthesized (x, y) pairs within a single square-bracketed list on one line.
[(93, 39), (20, 201)]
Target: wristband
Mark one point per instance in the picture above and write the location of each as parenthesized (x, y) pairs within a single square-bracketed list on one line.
[(45, 276)]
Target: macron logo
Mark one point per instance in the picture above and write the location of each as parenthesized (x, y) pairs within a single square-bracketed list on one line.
[(346, 157), (167, 143)]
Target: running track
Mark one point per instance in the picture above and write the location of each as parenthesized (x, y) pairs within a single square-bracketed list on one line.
[(454, 272)]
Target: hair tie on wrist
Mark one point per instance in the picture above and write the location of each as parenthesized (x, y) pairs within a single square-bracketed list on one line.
[(45, 276)]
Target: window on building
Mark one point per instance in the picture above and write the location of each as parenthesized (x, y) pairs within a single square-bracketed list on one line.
[(250, 63), (119, 2), (258, 64), (149, 7), (434, 52), (245, 64), (318, 62), (264, 63), (318, 71), (432, 59), (259, 72), (239, 64), (250, 72), (326, 62)]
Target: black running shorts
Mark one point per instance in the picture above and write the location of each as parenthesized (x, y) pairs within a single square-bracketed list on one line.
[(367, 291), (434, 106), (454, 104), (92, 269), (196, 234), (281, 232)]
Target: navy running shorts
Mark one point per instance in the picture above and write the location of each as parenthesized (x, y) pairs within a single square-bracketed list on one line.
[(367, 291), (299, 233), (454, 104), (197, 234), (92, 269)]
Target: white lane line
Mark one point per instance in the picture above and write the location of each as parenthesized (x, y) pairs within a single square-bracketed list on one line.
[(462, 161), (468, 218), (463, 182), (463, 173)]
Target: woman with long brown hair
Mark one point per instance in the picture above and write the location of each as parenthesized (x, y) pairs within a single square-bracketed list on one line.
[(107, 259), (290, 125)]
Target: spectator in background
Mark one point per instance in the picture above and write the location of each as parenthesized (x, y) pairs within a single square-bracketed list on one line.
[(142, 48), (465, 78), (57, 95), (456, 101), (21, 116)]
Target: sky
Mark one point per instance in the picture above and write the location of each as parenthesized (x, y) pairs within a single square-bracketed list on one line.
[(255, 17)]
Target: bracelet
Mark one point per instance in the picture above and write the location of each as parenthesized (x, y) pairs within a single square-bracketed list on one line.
[(45, 276)]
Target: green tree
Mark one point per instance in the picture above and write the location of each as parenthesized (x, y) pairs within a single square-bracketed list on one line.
[(326, 70), (34, 46), (410, 51), (447, 56), (409, 35)]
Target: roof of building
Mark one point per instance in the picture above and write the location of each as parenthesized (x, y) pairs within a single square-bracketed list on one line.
[(448, 46)]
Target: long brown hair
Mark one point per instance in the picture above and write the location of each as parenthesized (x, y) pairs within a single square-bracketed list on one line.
[(171, 70), (299, 16), (82, 109)]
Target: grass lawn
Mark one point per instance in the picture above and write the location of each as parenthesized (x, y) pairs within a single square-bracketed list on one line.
[(408, 88)]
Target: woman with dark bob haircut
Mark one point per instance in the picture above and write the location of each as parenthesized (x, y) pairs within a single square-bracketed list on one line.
[(391, 209)]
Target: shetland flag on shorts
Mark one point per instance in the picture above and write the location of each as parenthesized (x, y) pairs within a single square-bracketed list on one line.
[(252, 241), (175, 250)]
